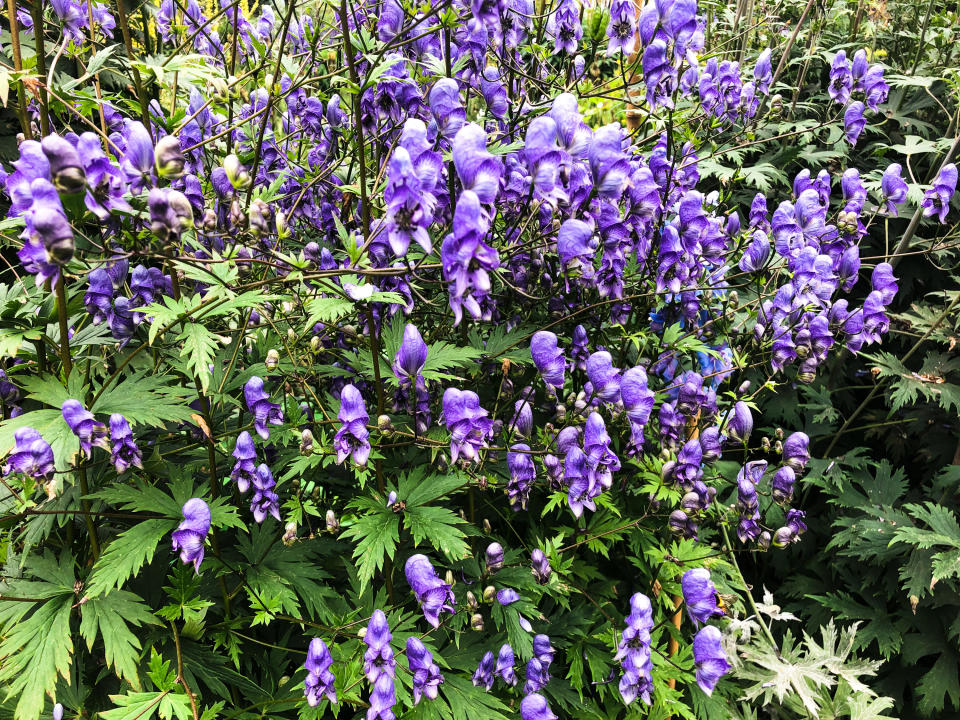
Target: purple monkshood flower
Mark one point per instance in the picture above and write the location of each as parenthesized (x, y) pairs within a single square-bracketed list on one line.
[(84, 426), (577, 246), (522, 420), (796, 451), (46, 223), (99, 297), (637, 400), (507, 596), (478, 169), (259, 405), (408, 366), (522, 474), (264, 500), (380, 667), (893, 188), (432, 593), (426, 675), (484, 672), (543, 651), (622, 29), (740, 424), (853, 121), (137, 162), (700, 595), (494, 557), (124, 452), (246, 466), (841, 79), (534, 707), (467, 422), (505, 665), (936, 201), (883, 281), (467, 259), (548, 357), (353, 437), (446, 107), (565, 28), (319, 680), (575, 475), (709, 658), (32, 455), (409, 206), (601, 460), (603, 376), (633, 652), (782, 485), (757, 254), (747, 501), (540, 566), (762, 72), (189, 536)]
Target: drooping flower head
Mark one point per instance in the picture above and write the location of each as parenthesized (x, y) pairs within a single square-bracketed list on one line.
[(534, 707), (494, 557), (84, 426), (548, 357), (32, 455), (432, 593), (484, 672), (633, 651), (936, 201), (189, 536), (124, 452), (426, 675), (505, 665), (259, 405), (709, 658), (893, 188), (264, 500), (380, 667), (700, 595), (246, 454), (467, 422), (540, 565)]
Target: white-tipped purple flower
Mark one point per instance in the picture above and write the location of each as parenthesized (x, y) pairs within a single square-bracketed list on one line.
[(796, 451), (505, 665), (353, 437), (548, 357), (259, 405), (700, 595), (494, 557), (32, 455), (84, 426), (246, 466), (124, 452), (319, 680), (432, 593), (426, 675), (189, 536), (893, 188), (633, 652), (484, 672), (709, 658)]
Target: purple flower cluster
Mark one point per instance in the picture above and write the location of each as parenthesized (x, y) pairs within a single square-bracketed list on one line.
[(319, 680), (633, 652), (189, 536), (379, 666), (426, 675)]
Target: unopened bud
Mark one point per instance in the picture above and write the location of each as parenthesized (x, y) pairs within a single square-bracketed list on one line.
[(169, 158), (281, 220), (489, 593), (765, 444), (385, 425), (290, 534), (779, 433), (315, 343), (472, 603), (306, 442), (332, 523), (449, 579), (764, 542), (272, 360), (476, 622), (237, 174), (486, 526), (778, 448)]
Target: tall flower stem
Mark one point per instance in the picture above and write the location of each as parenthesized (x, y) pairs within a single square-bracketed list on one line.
[(18, 66), (137, 80), (64, 322), (36, 10), (743, 581)]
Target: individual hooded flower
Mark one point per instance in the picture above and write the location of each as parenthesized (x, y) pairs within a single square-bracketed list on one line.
[(936, 201), (245, 468), (633, 651), (622, 28), (467, 422), (700, 595), (544, 160), (601, 461), (99, 297), (432, 593), (534, 707), (782, 485), (46, 224), (762, 72), (576, 477), (577, 246), (446, 107), (137, 162), (189, 536), (494, 557), (537, 676), (380, 667), (408, 368), (353, 437), (170, 213), (740, 423), (841, 80), (477, 169), (259, 405), (390, 20), (494, 93), (168, 157), (32, 455), (893, 188), (883, 282), (84, 426), (564, 26), (264, 500), (484, 672), (409, 207), (604, 378), (124, 452), (522, 420), (709, 658), (660, 74), (540, 565), (319, 680), (757, 254), (548, 357), (853, 121), (522, 475), (796, 452), (875, 88), (637, 400), (608, 163), (505, 665), (467, 259), (66, 168), (426, 675), (507, 596), (543, 651)]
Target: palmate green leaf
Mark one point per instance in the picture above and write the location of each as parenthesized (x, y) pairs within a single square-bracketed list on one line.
[(144, 705), (472, 703), (440, 527), (417, 488), (199, 347), (445, 356), (378, 534), (146, 399), (327, 310), (939, 683), (127, 553), (109, 617)]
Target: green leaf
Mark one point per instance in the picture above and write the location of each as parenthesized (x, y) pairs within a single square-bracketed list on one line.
[(200, 347), (939, 683), (124, 557), (444, 356), (327, 310), (415, 489), (109, 616), (144, 705), (146, 399), (378, 534), (471, 703), (439, 526)]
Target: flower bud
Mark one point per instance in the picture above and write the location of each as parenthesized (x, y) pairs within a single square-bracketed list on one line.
[(764, 542), (472, 603), (272, 360), (392, 498), (540, 566), (783, 537), (257, 218), (494, 557), (290, 534), (237, 174), (449, 579), (486, 526), (765, 444), (281, 221), (744, 388), (690, 503), (332, 523), (169, 158), (385, 425), (476, 622), (209, 221), (315, 343), (778, 447), (66, 168), (306, 442), (489, 593)]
